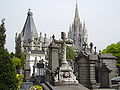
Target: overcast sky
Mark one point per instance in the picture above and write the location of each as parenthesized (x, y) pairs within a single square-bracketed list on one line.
[(53, 16)]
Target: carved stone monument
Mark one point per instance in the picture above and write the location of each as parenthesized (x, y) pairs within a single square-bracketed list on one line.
[(65, 73), (26, 84), (60, 74)]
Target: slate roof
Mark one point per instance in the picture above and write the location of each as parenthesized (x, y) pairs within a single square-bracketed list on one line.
[(107, 56), (29, 30)]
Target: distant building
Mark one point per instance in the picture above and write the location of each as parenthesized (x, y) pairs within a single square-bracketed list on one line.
[(32, 44), (78, 32)]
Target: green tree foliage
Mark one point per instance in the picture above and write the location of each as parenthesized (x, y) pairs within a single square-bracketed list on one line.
[(19, 54), (8, 80), (2, 34), (17, 62), (115, 50), (20, 80), (70, 54)]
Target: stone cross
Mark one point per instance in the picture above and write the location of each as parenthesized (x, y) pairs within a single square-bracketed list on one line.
[(63, 41), (85, 45)]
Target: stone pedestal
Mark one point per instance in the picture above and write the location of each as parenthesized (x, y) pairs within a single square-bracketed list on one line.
[(53, 56), (26, 85), (93, 59), (53, 61), (65, 76), (27, 75)]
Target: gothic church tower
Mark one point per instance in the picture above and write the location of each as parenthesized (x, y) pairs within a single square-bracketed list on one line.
[(78, 32)]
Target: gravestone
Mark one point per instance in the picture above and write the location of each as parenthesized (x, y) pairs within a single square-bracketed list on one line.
[(63, 77), (53, 60), (65, 73), (26, 84), (83, 69), (93, 58), (53, 55), (86, 61), (104, 76), (110, 61)]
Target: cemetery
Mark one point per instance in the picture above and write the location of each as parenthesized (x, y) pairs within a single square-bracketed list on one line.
[(48, 65)]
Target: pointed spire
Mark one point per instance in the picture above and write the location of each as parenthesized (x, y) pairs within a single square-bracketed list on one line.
[(76, 12), (29, 12), (29, 30), (84, 24), (70, 27)]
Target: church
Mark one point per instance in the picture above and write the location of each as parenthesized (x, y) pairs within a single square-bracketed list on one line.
[(78, 32), (46, 62)]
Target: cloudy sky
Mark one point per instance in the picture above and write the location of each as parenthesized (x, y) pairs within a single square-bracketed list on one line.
[(53, 16)]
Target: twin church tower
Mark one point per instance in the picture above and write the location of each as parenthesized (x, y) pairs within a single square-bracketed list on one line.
[(35, 45)]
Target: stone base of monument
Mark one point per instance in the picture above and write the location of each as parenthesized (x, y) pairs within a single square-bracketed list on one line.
[(48, 86), (26, 85), (65, 76), (65, 83), (95, 85)]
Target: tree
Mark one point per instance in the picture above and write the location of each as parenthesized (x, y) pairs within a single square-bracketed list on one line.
[(2, 34), (8, 79), (70, 54), (17, 62), (18, 52), (115, 50)]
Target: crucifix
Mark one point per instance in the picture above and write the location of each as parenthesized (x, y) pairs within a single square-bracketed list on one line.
[(63, 41), (85, 46)]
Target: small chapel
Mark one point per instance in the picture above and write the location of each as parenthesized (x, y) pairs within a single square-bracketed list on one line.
[(34, 45)]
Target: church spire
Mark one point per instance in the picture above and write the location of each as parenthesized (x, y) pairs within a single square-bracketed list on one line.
[(29, 30), (76, 12), (84, 24)]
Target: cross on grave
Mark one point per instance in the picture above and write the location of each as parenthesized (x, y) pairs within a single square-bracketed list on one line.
[(85, 45), (63, 41), (64, 71)]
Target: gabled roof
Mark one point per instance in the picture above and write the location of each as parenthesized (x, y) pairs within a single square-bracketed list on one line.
[(29, 30), (107, 56)]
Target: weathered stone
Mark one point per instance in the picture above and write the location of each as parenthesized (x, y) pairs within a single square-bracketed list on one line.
[(110, 61), (26, 85), (93, 59), (104, 76), (53, 56), (65, 74), (78, 32)]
